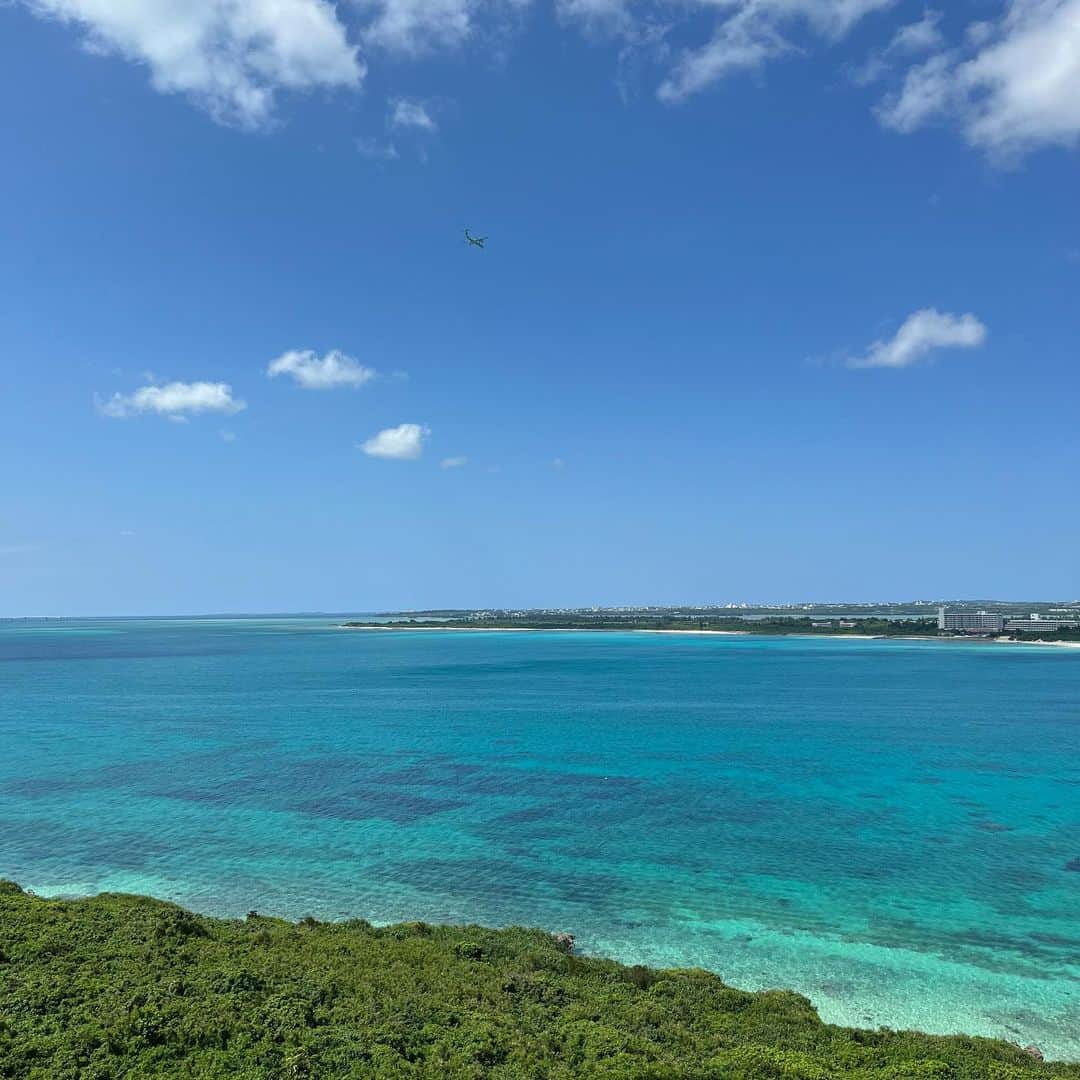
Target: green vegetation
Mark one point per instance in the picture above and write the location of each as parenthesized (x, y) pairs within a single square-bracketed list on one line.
[(671, 621), (124, 986), (1063, 634)]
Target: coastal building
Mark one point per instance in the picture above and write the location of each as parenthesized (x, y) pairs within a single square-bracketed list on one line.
[(971, 622), (1036, 623)]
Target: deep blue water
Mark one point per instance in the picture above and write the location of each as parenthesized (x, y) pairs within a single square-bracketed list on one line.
[(885, 826)]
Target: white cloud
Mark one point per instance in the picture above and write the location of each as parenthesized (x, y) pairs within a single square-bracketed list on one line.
[(230, 56), (419, 26), (600, 15), (1013, 86), (227, 436), (311, 372), (753, 31), (927, 89), (453, 462), (410, 114), (402, 443), (741, 42), (174, 400), (917, 37), (921, 333)]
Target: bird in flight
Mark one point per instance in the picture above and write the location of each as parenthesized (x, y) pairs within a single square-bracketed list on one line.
[(476, 241)]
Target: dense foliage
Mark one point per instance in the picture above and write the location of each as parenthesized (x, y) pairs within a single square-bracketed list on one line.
[(124, 986), (1071, 633)]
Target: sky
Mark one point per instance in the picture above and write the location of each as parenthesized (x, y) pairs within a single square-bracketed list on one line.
[(777, 302)]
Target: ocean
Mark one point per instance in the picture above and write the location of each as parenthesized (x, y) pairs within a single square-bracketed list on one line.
[(889, 827)]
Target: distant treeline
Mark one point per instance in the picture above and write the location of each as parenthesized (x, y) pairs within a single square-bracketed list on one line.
[(1065, 634), (874, 626)]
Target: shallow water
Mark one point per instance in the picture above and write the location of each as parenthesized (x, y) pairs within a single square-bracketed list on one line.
[(884, 826)]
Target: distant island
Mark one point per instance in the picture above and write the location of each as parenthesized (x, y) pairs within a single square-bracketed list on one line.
[(1014, 623), (127, 986)]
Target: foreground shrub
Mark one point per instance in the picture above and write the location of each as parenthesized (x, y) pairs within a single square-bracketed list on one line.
[(127, 988)]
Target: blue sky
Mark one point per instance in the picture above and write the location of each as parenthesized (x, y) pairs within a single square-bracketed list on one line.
[(779, 302)]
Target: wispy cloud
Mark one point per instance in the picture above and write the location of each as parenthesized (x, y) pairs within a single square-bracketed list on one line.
[(410, 114), (918, 37), (312, 372), (374, 149), (453, 463), (750, 32), (910, 40), (230, 58), (402, 443), (175, 400), (414, 27), (922, 333)]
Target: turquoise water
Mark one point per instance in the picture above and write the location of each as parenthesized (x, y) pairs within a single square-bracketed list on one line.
[(884, 826)]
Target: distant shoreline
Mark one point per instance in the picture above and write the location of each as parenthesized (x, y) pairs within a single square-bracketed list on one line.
[(398, 627)]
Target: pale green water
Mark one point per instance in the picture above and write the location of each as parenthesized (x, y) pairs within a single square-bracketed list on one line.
[(885, 826)]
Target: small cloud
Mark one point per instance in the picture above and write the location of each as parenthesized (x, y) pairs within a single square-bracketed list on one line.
[(228, 436), (918, 37), (410, 114), (315, 373), (922, 333), (416, 27), (873, 68), (375, 150), (926, 90), (402, 443), (923, 36), (173, 401), (127, 532), (453, 463), (601, 17), (558, 463), (1073, 255)]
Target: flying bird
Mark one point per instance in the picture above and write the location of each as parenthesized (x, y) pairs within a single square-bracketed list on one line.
[(476, 241)]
